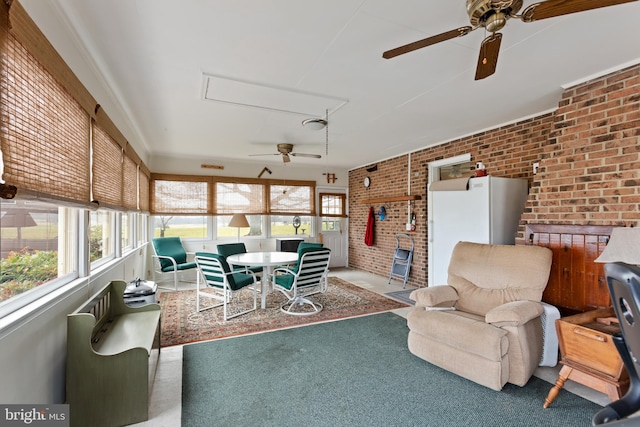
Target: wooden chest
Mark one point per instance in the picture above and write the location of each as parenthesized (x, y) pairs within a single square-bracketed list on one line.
[(586, 344)]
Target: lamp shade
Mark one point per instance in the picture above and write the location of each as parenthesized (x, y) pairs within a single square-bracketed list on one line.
[(623, 246), (239, 220), (17, 218)]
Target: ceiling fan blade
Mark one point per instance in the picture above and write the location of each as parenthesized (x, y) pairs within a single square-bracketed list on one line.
[(314, 156), (269, 154), (286, 158), (552, 8), (458, 32), (488, 59)]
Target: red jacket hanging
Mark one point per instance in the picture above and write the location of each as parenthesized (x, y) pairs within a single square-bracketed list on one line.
[(368, 234)]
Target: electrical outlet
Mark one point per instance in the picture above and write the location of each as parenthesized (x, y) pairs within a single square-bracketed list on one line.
[(536, 166)]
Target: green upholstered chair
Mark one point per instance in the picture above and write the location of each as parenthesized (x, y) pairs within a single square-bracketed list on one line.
[(221, 283), (304, 247), (306, 278), (169, 258), (228, 249)]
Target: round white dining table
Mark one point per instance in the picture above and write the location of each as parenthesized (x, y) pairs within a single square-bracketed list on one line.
[(266, 260)]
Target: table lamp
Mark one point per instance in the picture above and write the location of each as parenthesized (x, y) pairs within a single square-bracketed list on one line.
[(239, 221), (623, 247)]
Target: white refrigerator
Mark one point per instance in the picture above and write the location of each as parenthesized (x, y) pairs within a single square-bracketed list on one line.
[(487, 212)]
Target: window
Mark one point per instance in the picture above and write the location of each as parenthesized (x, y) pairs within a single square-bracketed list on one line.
[(333, 204), (331, 224), (202, 195), (141, 228), (282, 225), (224, 231), (46, 135), (101, 236), (37, 251), (186, 227), (454, 171), (126, 230)]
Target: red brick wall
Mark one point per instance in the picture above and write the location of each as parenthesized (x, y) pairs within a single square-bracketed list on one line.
[(589, 170)]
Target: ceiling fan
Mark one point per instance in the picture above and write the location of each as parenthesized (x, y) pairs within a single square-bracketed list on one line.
[(286, 150), (493, 16)]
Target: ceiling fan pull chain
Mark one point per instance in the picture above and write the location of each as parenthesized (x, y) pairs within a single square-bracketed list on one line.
[(326, 134)]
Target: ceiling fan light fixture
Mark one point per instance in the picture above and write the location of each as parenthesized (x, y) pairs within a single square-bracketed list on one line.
[(314, 123)]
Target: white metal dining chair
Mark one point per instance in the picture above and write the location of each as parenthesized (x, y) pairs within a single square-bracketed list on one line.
[(220, 283), (308, 278)]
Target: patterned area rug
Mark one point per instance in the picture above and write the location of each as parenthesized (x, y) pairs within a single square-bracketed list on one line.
[(182, 324)]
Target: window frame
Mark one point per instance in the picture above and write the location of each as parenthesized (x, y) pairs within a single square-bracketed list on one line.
[(112, 234), (343, 198), (68, 229)]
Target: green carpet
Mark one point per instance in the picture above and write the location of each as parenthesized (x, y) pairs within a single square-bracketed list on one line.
[(353, 372)]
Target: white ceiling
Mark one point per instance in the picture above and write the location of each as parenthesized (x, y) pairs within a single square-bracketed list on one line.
[(148, 64)]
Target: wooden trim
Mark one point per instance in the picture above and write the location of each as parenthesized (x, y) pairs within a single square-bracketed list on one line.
[(390, 199), (174, 177), (342, 196), (591, 230), (230, 179)]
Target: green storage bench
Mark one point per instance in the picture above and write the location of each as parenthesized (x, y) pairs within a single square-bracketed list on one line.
[(112, 355)]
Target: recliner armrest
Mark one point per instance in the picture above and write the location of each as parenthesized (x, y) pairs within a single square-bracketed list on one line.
[(515, 313), (436, 296)]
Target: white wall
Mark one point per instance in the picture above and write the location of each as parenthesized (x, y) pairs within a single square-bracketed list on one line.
[(33, 348)]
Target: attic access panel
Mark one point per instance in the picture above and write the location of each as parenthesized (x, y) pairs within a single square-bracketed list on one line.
[(268, 97)]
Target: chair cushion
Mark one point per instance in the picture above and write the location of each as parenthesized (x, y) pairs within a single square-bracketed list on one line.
[(305, 246), (463, 332), (240, 280), (486, 276), (286, 280), (435, 296), (236, 280), (183, 266), (169, 246), (516, 313), (229, 249)]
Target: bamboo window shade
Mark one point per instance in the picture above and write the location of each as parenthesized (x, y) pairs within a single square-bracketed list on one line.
[(130, 184), (46, 124), (292, 199), (107, 169), (224, 195), (44, 137), (236, 197), (180, 197), (143, 196)]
